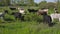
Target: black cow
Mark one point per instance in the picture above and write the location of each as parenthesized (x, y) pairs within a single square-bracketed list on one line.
[(12, 8), (47, 19), (32, 10)]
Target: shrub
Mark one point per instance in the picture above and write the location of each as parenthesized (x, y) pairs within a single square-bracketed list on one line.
[(9, 17)]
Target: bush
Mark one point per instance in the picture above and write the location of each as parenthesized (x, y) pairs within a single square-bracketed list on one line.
[(9, 17), (33, 17)]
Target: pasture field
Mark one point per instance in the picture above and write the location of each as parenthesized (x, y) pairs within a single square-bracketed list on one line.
[(32, 25)]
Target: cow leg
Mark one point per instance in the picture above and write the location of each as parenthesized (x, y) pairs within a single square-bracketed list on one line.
[(59, 19), (15, 18), (22, 18), (43, 19), (50, 23), (52, 19)]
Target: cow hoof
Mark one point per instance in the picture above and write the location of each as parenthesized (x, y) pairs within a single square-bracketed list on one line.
[(3, 22), (51, 24)]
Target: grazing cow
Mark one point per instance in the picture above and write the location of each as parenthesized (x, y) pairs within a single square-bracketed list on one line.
[(3, 13), (18, 15), (32, 10)]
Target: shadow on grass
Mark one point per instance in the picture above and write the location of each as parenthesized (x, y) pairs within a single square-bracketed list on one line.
[(2, 26), (9, 20)]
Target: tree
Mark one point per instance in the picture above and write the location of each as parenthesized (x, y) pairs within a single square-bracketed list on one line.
[(27, 2), (5, 2), (51, 5), (42, 4), (18, 2)]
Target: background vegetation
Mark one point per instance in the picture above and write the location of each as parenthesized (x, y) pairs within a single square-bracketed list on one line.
[(33, 24)]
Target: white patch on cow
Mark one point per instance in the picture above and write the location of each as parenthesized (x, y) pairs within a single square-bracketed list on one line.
[(21, 11), (1, 13), (44, 10), (54, 16)]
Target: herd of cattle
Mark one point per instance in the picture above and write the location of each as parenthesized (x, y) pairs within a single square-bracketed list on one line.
[(46, 18)]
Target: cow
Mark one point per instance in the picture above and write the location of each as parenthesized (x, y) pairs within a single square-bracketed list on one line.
[(46, 18)]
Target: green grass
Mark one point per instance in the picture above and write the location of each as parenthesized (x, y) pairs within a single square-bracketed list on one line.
[(32, 25), (29, 28)]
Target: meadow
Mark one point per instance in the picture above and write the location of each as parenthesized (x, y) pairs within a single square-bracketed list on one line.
[(33, 24)]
